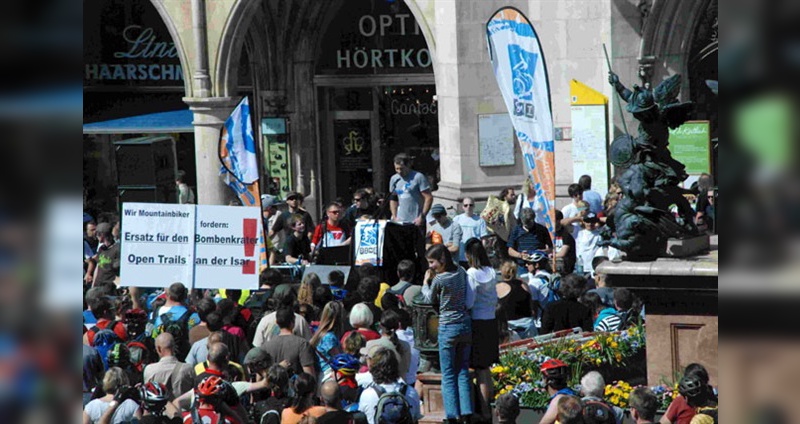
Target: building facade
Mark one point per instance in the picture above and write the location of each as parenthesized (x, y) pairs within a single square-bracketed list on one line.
[(338, 87)]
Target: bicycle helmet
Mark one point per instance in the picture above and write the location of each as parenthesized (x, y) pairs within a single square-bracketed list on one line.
[(210, 386), (135, 321), (536, 256), (554, 368), (119, 356), (690, 386), (345, 364), (257, 360), (154, 396)]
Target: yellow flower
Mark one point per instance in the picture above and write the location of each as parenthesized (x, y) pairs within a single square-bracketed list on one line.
[(608, 339), (626, 395), (614, 344), (598, 361)]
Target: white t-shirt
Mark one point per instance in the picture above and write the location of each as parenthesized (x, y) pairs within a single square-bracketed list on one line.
[(368, 403), (571, 211), (586, 248), (125, 412)]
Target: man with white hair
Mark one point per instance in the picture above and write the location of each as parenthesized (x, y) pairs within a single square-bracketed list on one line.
[(593, 388)]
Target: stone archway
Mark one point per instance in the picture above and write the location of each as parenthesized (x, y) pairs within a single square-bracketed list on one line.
[(666, 38), (179, 46)]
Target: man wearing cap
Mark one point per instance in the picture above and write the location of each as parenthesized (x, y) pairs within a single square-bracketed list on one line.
[(413, 193), (107, 260), (586, 243), (270, 215), (449, 231), (295, 202)]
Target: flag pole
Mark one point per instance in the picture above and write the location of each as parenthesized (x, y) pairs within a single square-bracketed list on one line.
[(621, 111)]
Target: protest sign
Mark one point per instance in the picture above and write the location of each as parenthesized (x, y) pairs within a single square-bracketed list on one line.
[(157, 244), (225, 247)]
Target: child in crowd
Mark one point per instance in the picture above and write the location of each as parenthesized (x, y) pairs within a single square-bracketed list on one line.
[(586, 243), (336, 283)]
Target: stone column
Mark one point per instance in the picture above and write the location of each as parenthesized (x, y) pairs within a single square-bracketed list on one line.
[(210, 114)]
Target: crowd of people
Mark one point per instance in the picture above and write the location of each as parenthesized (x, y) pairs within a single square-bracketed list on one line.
[(332, 351)]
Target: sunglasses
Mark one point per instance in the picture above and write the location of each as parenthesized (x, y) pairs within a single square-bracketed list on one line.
[(466, 205), (335, 212), (356, 199)]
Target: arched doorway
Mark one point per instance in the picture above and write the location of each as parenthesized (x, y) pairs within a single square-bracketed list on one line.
[(376, 97)]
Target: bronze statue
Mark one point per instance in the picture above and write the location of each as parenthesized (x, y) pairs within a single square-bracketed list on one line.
[(642, 223)]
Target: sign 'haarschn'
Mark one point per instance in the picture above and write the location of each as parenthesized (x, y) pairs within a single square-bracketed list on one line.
[(521, 74)]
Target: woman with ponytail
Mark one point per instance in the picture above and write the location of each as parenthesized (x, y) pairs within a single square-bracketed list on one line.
[(390, 321)]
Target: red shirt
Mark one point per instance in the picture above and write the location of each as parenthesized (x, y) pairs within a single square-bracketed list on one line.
[(679, 411), (335, 235), (102, 323)]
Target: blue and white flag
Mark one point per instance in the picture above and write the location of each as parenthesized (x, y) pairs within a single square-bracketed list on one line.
[(521, 74), (237, 147)]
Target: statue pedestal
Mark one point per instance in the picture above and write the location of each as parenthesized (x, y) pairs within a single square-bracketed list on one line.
[(681, 248), (433, 405), (680, 298)]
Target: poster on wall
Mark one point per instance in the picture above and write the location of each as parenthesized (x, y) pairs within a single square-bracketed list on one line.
[(588, 109), (690, 145), (495, 140), (157, 244), (201, 246)]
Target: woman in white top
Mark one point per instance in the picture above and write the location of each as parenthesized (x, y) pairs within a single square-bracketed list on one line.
[(125, 412), (528, 199), (482, 279)]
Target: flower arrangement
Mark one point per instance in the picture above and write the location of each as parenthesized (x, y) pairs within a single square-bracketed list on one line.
[(618, 393), (518, 370)]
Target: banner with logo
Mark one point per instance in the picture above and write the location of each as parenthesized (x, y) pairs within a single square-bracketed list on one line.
[(201, 246), (369, 242), (519, 67)]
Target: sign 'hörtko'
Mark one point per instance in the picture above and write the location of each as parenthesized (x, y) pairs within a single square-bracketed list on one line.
[(203, 246)]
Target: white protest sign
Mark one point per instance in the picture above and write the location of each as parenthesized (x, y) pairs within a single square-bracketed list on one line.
[(226, 247), (368, 240), (157, 244)]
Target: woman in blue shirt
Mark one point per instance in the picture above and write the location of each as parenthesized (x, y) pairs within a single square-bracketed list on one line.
[(326, 339), (482, 279), (445, 285)]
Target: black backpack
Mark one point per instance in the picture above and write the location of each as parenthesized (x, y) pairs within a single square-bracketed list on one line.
[(393, 407), (257, 304), (179, 328)]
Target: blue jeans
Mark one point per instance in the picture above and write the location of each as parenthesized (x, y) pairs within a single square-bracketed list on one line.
[(454, 351)]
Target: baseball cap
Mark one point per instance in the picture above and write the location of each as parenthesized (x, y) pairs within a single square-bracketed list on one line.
[(375, 345), (256, 355), (438, 209), (591, 217), (296, 194), (268, 201), (103, 228)]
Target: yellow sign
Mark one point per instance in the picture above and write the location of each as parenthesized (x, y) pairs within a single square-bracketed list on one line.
[(582, 94)]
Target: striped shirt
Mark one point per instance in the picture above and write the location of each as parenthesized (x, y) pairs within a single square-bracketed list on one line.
[(609, 323), (452, 293)]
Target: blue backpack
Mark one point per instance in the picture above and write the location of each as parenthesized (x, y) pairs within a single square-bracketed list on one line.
[(554, 285), (104, 340), (393, 407)]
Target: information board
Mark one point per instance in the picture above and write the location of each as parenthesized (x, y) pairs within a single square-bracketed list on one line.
[(690, 144), (495, 140), (589, 145)]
